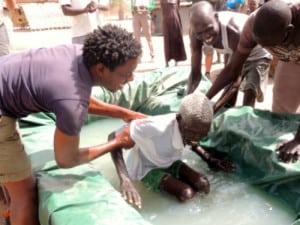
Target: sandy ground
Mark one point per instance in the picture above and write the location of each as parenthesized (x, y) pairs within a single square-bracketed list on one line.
[(24, 40)]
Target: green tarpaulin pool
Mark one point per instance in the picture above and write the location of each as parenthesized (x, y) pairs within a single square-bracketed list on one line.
[(88, 194)]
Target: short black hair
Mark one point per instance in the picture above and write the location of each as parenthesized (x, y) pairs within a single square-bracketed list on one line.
[(110, 45)]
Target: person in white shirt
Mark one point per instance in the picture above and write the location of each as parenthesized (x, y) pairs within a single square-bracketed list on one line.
[(4, 39), (85, 17), (141, 21), (158, 143)]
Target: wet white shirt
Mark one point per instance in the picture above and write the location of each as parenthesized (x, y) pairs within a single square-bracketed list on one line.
[(158, 144)]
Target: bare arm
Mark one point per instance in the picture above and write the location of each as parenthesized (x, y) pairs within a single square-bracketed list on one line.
[(196, 60), (128, 190), (10, 5), (69, 10), (213, 163), (68, 154), (98, 107), (229, 74), (232, 70)]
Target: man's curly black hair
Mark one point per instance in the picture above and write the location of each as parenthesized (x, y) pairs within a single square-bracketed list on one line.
[(110, 45)]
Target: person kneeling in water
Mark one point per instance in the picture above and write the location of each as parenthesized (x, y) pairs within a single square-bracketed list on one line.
[(158, 143)]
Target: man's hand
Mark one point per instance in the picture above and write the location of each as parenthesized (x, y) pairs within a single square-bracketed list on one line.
[(103, 7), (212, 162), (289, 151), (133, 115), (124, 138), (130, 194), (91, 7), (220, 165)]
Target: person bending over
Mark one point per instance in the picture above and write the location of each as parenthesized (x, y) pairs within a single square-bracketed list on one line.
[(282, 40), (222, 30), (59, 80), (158, 143)]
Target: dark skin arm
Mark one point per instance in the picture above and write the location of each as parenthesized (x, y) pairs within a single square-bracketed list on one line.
[(10, 5), (127, 188), (289, 151), (66, 147), (228, 95), (213, 163), (98, 107), (196, 61), (68, 10), (231, 72)]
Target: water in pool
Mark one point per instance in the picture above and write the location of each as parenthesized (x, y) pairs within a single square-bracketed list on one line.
[(230, 201)]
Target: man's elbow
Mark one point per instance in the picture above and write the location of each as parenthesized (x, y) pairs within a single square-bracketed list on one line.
[(65, 10), (65, 163)]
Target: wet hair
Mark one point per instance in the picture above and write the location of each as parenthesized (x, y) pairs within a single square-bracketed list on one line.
[(196, 110), (271, 20), (110, 45)]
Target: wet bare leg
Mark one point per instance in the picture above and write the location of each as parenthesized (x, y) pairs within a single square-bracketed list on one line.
[(198, 181), (177, 188)]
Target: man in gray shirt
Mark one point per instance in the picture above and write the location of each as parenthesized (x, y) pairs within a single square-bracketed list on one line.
[(59, 80)]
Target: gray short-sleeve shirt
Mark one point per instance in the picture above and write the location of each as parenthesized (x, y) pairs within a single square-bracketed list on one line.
[(46, 80)]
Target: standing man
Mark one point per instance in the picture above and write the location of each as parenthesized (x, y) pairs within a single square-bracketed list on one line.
[(4, 39), (59, 80), (85, 17), (282, 39), (172, 31), (218, 5), (222, 31), (141, 20)]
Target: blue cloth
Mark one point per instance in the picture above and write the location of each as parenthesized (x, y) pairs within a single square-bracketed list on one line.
[(233, 4)]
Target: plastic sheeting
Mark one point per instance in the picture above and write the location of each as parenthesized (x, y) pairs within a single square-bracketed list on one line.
[(81, 195), (249, 137)]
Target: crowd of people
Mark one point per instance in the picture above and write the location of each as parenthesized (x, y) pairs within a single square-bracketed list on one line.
[(107, 56)]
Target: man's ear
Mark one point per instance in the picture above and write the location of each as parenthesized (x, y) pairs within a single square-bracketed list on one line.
[(100, 67), (99, 70)]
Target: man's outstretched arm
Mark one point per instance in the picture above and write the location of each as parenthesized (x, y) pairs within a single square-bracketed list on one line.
[(229, 74), (98, 107), (196, 61), (128, 191), (213, 163)]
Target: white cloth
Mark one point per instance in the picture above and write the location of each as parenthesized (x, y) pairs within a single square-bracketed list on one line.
[(138, 3), (84, 23), (158, 143), (239, 19)]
